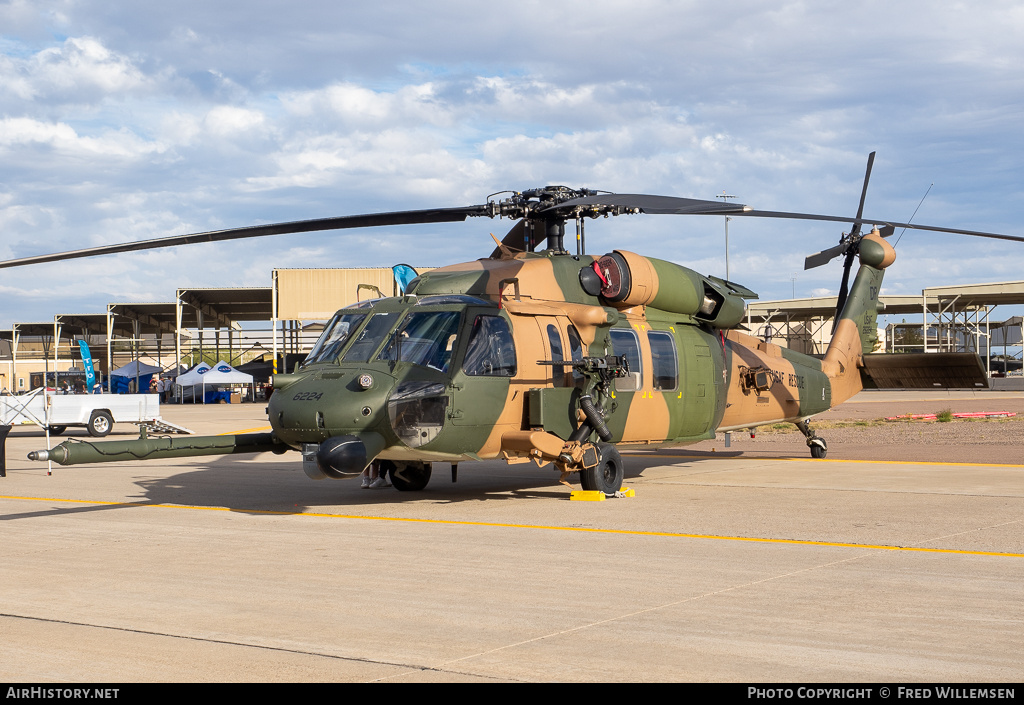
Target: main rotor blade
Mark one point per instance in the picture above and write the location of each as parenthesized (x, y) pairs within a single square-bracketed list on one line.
[(432, 215), (880, 223), (639, 202), (672, 205), (655, 205)]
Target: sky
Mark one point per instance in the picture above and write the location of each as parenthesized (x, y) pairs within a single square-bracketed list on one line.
[(124, 120)]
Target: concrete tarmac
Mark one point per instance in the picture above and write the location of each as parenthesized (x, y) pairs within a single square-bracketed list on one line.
[(724, 567)]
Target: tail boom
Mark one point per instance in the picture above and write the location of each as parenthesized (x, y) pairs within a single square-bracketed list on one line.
[(856, 332)]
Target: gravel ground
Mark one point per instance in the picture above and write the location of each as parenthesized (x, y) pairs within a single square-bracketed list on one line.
[(857, 430)]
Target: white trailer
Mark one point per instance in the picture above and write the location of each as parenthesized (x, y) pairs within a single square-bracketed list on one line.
[(96, 412)]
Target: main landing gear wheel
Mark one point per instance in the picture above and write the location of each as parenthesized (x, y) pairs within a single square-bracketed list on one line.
[(100, 424), (607, 475), (407, 477)]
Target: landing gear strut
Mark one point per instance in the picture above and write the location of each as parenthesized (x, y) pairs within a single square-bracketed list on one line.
[(819, 449)]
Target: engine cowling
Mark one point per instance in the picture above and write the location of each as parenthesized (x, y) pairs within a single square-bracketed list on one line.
[(625, 279)]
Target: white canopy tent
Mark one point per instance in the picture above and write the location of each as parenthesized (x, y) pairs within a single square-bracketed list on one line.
[(223, 373), (220, 375), (193, 376), (191, 380)]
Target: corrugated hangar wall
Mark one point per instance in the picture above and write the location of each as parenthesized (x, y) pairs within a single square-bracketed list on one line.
[(316, 294)]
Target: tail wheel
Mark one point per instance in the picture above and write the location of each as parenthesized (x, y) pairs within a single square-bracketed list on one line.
[(608, 474), (407, 477), (100, 424), (818, 447)]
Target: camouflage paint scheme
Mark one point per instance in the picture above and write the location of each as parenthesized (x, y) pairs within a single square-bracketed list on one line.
[(530, 414), (719, 379)]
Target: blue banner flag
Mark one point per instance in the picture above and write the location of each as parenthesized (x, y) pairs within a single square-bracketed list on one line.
[(90, 373)]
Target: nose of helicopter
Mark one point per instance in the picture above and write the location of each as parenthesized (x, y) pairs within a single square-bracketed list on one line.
[(342, 419), (339, 417)]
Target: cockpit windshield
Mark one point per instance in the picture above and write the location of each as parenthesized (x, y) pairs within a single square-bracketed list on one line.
[(334, 337), (371, 336), (425, 338)]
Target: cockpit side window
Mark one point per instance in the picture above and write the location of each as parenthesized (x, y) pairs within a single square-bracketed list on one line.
[(334, 337), (491, 351)]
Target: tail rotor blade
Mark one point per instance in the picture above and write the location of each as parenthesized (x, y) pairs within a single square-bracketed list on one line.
[(850, 246), (844, 289), (823, 257), (863, 194)]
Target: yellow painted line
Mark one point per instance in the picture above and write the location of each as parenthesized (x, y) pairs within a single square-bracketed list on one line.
[(723, 456), (246, 430), (625, 532)]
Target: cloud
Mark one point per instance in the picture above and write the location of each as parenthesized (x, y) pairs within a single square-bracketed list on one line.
[(81, 70), (132, 120), (27, 134), (350, 106)]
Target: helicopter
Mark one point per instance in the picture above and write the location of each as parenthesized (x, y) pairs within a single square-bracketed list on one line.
[(539, 355)]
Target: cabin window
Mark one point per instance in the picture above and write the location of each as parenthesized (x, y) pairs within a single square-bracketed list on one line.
[(575, 351), (575, 344), (371, 336), (665, 373), (426, 339), (491, 351), (334, 337), (626, 344), (555, 341)]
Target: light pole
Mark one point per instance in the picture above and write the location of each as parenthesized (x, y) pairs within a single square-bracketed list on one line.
[(725, 199)]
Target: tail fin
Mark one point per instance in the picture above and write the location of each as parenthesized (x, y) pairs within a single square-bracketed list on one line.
[(856, 331)]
